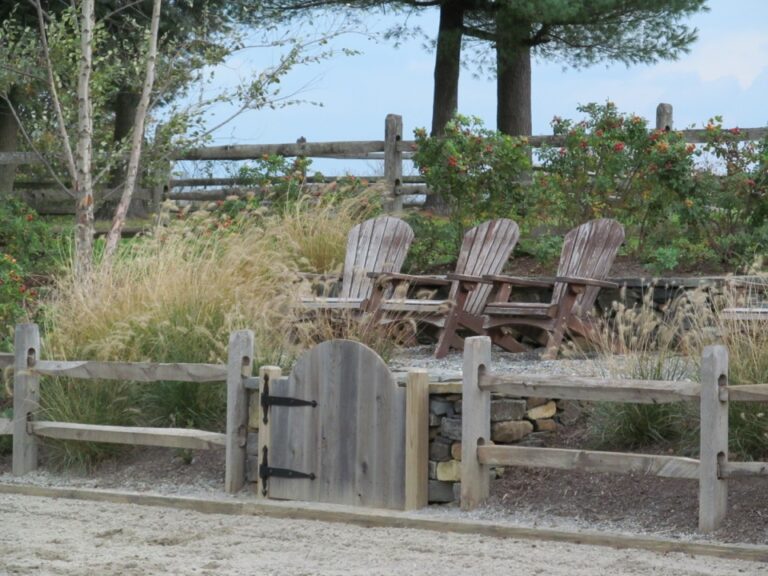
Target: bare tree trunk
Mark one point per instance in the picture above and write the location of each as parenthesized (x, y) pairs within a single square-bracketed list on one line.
[(118, 222), (9, 142), (83, 158), (513, 86), (445, 102)]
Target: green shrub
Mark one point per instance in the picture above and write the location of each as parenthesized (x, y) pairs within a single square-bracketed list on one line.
[(480, 173), (434, 244)]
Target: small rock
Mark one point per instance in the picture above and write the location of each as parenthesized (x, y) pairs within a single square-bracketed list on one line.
[(535, 401), (450, 427), (456, 451), (570, 412), (547, 410), (545, 425), (434, 419), (441, 491), (514, 431), (441, 408), (432, 470), (440, 449), (457, 407), (537, 439), (507, 409), (449, 471)]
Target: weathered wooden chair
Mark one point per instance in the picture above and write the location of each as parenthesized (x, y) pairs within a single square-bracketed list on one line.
[(376, 245), (587, 255), (484, 250)]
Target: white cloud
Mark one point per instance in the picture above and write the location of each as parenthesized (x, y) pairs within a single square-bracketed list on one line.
[(742, 56)]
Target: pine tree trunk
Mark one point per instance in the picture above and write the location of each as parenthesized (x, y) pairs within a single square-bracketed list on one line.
[(445, 102), (9, 141), (513, 86), (447, 65)]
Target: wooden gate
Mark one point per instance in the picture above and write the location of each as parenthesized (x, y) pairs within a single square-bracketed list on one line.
[(334, 431)]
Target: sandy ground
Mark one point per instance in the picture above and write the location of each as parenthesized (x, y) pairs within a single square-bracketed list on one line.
[(50, 536)]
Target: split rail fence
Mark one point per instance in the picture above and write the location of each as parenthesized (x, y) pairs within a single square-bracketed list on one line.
[(713, 470), (27, 429), (393, 150)]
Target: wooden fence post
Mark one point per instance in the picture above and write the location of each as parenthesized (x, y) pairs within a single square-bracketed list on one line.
[(26, 397), (393, 161), (417, 440), (267, 374), (476, 422), (664, 117), (713, 489), (239, 366)]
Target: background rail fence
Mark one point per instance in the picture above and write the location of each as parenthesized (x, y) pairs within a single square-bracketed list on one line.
[(713, 469), (26, 428), (393, 151)]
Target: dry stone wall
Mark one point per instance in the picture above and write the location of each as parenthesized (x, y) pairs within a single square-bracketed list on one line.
[(526, 421)]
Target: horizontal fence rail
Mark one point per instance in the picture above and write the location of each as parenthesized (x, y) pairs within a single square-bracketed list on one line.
[(568, 459), (184, 438), (712, 470), (577, 388), (135, 371), (26, 428)]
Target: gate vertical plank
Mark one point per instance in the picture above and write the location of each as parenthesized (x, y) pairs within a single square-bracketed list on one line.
[(269, 374), (476, 422), (713, 490), (367, 452), (387, 439), (239, 366), (26, 397), (417, 440)]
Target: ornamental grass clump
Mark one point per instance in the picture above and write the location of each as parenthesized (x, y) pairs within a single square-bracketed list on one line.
[(176, 296), (642, 343), (666, 344)]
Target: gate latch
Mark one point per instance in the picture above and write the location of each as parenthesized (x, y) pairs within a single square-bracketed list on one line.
[(266, 471), (268, 400)]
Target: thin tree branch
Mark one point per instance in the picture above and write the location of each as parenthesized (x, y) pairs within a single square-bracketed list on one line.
[(31, 144), (69, 156)]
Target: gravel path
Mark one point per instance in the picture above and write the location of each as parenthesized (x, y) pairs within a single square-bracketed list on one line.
[(48, 536)]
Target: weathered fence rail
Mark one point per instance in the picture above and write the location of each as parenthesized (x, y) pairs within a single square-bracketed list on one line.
[(27, 428), (712, 470)]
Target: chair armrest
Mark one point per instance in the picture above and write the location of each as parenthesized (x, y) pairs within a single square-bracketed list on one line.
[(318, 277), (466, 278), (387, 277), (586, 282), (517, 281)]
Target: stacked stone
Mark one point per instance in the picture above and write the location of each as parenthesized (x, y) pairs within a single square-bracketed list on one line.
[(513, 421)]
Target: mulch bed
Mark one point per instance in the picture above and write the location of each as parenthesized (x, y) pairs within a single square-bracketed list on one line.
[(629, 502)]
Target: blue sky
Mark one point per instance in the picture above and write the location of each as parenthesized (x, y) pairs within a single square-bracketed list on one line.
[(726, 73)]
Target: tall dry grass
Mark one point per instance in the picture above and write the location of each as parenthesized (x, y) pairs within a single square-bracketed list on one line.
[(176, 296), (666, 344)]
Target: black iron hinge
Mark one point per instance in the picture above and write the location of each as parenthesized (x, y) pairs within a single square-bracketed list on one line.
[(266, 471), (268, 400)]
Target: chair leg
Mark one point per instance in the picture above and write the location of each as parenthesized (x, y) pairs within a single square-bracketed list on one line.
[(506, 341), (447, 334)]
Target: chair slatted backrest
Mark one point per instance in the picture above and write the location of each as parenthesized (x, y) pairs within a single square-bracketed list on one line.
[(588, 252), (484, 250), (376, 245)]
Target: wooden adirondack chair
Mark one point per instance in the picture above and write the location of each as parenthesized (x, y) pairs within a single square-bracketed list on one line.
[(587, 255), (376, 245), (484, 250)]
